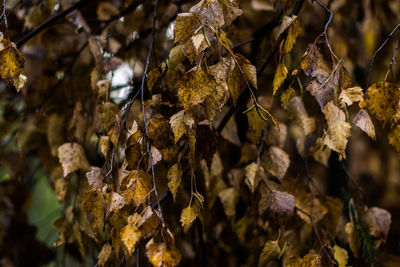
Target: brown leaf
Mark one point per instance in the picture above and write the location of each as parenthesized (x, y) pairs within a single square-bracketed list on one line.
[(382, 100), (280, 203), (276, 162), (93, 205), (105, 255), (229, 198), (270, 252), (163, 253), (364, 122), (378, 222), (94, 177), (72, 158)]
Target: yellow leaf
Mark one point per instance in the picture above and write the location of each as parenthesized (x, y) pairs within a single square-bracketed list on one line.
[(174, 179), (136, 186), (11, 64), (189, 214), (340, 255), (194, 87), (294, 31), (130, 235), (252, 177), (364, 122), (394, 137), (105, 255), (280, 76), (256, 125), (270, 252), (179, 122), (93, 205), (224, 41), (312, 259), (108, 112), (72, 158), (311, 205), (185, 23), (194, 46), (382, 100), (287, 95), (353, 238), (229, 198), (163, 254), (248, 69), (286, 22), (337, 136)]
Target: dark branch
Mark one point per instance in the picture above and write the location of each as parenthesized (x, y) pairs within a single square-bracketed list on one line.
[(50, 22)]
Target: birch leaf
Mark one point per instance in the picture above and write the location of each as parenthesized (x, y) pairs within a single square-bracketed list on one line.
[(280, 76), (72, 158)]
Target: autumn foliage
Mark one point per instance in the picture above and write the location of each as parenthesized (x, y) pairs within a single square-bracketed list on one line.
[(211, 133)]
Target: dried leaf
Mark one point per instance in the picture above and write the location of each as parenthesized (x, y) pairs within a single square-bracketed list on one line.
[(280, 76), (194, 87), (270, 252), (210, 13), (156, 156), (136, 186), (95, 178), (163, 254), (252, 178), (287, 95), (280, 203), (351, 95), (189, 215), (12, 64), (256, 125), (312, 259), (340, 255), (364, 122), (294, 31), (105, 255), (184, 26), (382, 100), (378, 222), (130, 235), (276, 162), (179, 122), (229, 198), (174, 179), (72, 158), (93, 205), (286, 22)]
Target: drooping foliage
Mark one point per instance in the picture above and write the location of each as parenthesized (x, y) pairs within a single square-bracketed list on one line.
[(254, 133)]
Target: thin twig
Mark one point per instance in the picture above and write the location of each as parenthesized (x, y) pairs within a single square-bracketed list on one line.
[(316, 232), (324, 33), (379, 50), (50, 22), (144, 111)]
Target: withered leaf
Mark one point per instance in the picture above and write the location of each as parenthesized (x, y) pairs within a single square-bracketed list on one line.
[(12, 63), (364, 122), (229, 198), (378, 221), (252, 178), (130, 235), (94, 177), (294, 31), (276, 162), (211, 13), (194, 87), (174, 176), (72, 158), (280, 76), (189, 215), (163, 253), (93, 205), (382, 100), (136, 187), (179, 122), (280, 203), (105, 255), (340, 255), (185, 23), (350, 95), (270, 252), (256, 125)]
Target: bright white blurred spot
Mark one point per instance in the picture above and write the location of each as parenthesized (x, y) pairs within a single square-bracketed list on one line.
[(120, 79), (169, 33), (122, 19)]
